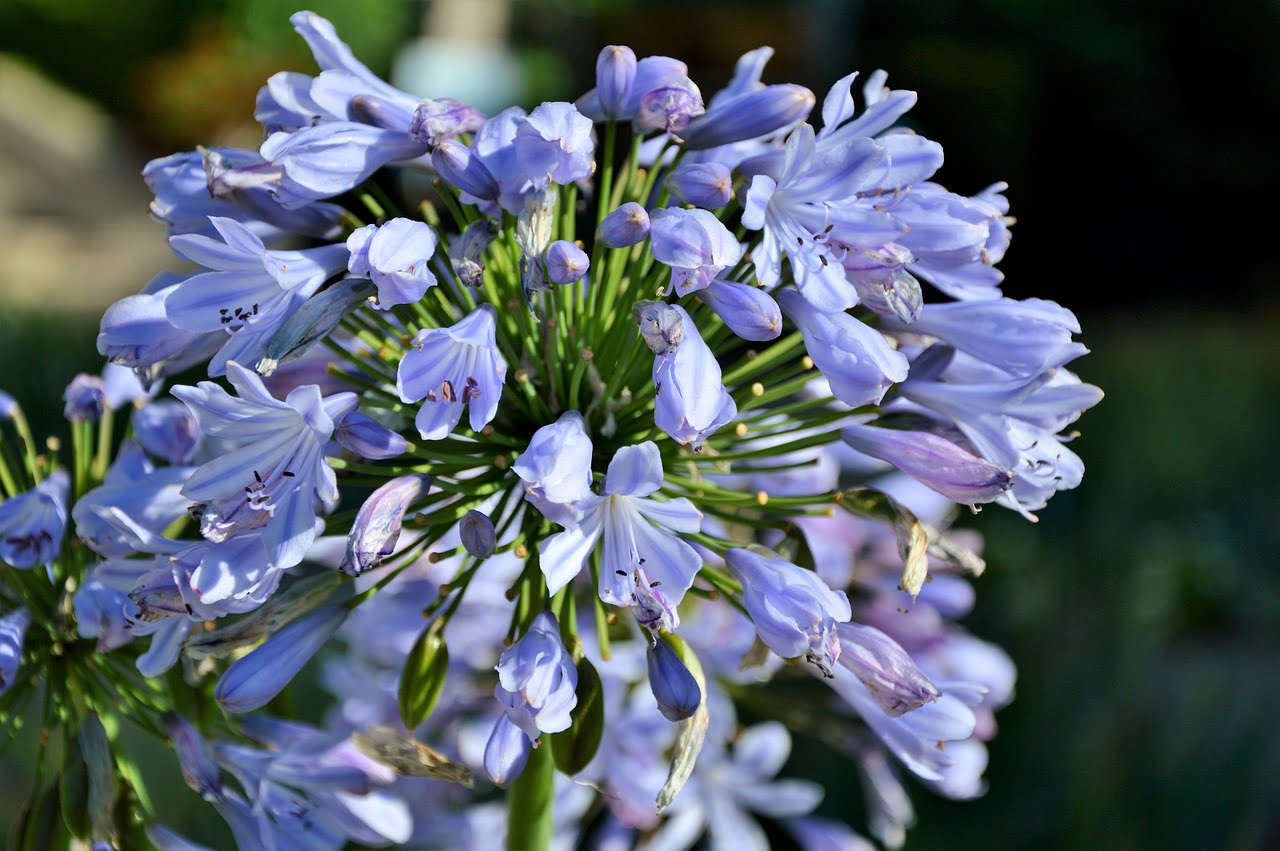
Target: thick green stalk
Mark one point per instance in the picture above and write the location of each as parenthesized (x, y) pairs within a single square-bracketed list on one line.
[(531, 803)]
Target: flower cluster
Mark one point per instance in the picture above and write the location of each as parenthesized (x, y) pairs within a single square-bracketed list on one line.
[(626, 415)]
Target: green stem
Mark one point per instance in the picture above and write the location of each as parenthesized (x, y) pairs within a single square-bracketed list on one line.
[(531, 803)]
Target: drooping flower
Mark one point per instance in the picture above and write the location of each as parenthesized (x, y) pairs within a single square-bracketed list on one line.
[(448, 369), (396, 257), (554, 143), (556, 468), (537, 679), (32, 523), (856, 360), (673, 686), (272, 468), (794, 611), (253, 680), (695, 244), (748, 311), (690, 401)]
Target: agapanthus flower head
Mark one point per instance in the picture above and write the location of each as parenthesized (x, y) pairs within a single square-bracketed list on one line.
[(661, 317)]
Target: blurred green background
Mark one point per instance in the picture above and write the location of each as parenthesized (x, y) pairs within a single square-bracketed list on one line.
[(1144, 609)]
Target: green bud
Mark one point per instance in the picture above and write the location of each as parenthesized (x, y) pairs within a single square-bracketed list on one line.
[(73, 793), (423, 676), (574, 748)]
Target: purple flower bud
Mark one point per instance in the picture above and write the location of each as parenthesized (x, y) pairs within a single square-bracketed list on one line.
[(794, 611), (556, 468), (554, 143), (673, 686), (8, 406), (253, 680), (460, 166), (369, 438), (884, 668), (933, 461), (661, 325), (466, 251), (748, 311), (615, 72), (566, 262), (84, 397), (437, 121), (195, 757), (377, 526), (749, 115), (166, 430), (506, 753), (396, 256), (706, 185), (690, 401), (32, 524), (13, 629), (695, 244), (537, 680), (478, 535), (627, 225)]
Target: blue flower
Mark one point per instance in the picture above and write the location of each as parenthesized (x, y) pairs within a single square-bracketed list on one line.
[(150, 498), (891, 676), (250, 290), (32, 523), (690, 402), (271, 468), (695, 244), (794, 611), (13, 628), (506, 752), (136, 332), (253, 680), (637, 532), (556, 468), (672, 685), (856, 360), (452, 368), (537, 680), (328, 159), (396, 257), (166, 430), (554, 143), (813, 212)]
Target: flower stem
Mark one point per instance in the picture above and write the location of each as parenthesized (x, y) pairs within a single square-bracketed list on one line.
[(531, 803)]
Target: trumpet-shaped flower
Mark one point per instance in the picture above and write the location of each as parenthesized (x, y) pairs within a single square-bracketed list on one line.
[(272, 468), (449, 369), (636, 530)]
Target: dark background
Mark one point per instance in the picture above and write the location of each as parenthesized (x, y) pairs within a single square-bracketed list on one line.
[(1144, 609)]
